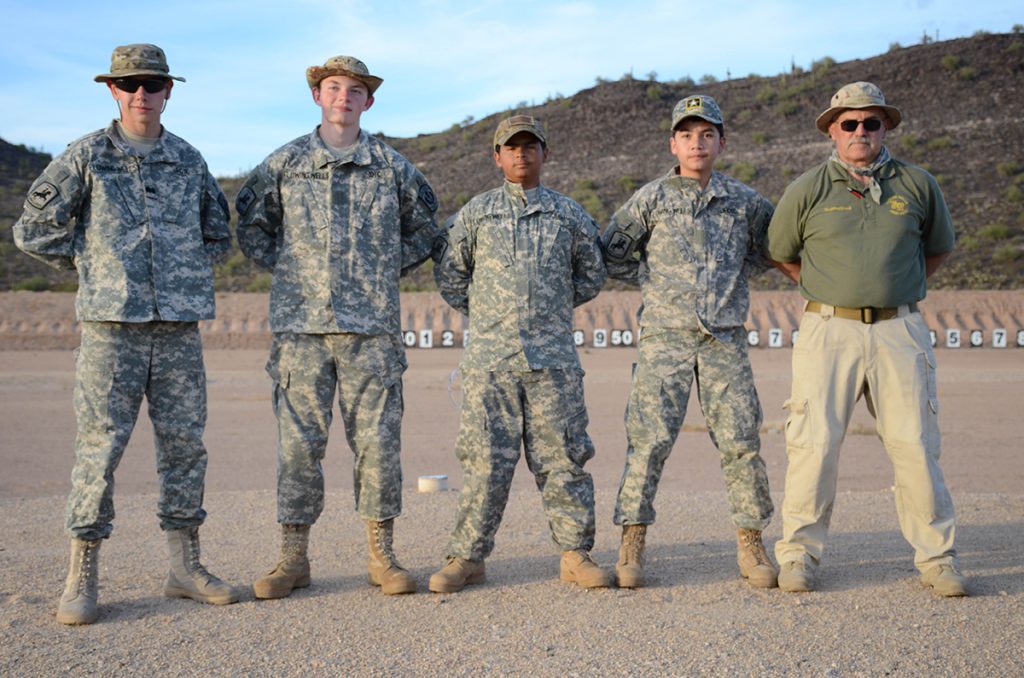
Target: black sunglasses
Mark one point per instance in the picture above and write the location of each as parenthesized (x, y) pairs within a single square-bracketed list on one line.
[(870, 125), (131, 85)]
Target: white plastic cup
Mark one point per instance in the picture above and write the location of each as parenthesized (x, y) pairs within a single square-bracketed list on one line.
[(434, 483)]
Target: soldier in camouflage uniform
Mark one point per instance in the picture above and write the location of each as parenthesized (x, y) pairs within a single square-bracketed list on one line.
[(690, 239), (338, 216), (135, 211), (517, 260)]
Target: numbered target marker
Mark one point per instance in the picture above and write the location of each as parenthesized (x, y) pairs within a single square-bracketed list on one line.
[(952, 338), (774, 338), (600, 338), (578, 337), (409, 338), (753, 338), (976, 338), (426, 338), (793, 336), (999, 338), (934, 338), (447, 338)]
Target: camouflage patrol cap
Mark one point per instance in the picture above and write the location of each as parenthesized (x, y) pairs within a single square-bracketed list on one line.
[(697, 106), (343, 65), (138, 59), (509, 127), (857, 95)]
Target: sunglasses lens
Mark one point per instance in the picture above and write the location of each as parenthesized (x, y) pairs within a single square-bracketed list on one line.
[(131, 85), (870, 125)]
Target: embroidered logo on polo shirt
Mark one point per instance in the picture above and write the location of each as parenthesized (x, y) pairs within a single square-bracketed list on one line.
[(898, 205)]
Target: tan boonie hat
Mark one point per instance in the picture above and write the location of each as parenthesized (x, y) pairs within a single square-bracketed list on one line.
[(697, 106), (140, 59), (857, 95), (343, 65), (509, 127)]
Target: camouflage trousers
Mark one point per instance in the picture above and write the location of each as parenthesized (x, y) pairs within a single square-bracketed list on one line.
[(366, 372), (542, 411), (669, 362), (116, 364)]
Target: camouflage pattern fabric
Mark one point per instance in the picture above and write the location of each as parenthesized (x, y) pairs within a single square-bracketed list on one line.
[(143, 232), (116, 364), (518, 269), (669, 360), (366, 371), (503, 411), (337, 234), (690, 251)]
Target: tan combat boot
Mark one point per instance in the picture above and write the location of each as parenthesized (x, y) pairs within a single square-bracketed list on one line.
[(630, 568), (188, 578), (292, 570), (755, 565), (382, 567), (456, 574), (78, 602), (578, 567)]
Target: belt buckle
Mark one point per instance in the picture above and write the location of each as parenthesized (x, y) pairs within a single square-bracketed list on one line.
[(867, 315)]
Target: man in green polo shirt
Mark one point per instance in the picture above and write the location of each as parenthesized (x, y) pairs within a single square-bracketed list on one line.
[(860, 234)]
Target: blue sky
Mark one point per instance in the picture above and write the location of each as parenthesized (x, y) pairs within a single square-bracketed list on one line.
[(441, 60)]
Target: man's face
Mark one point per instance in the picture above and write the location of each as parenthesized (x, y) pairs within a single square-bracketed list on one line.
[(342, 100), (696, 143), (860, 146), (140, 109), (520, 159)]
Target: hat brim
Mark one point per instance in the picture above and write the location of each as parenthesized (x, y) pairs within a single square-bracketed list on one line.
[(499, 140), (110, 76), (825, 119), (314, 74)]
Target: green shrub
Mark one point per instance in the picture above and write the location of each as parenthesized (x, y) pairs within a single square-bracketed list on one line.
[(968, 242), (766, 94), (939, 143), (708, 79), (759, 138), (1008, 168), (36, 283), (951, 62), (744, 171), (994, 231), (259, 283), (628, 183), (1014, 194), (895, 46), (787, 108), (1004, 254), (967, 73), (654, 92), (1014, 47)]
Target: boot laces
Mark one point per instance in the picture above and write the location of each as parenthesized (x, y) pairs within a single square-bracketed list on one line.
[(384, 539), (752, 541), (85, 567)]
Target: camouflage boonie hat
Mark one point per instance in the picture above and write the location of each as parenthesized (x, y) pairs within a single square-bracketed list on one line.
[(697, 106), (857, 95), (139, 59), (509, 127), (343, 65)]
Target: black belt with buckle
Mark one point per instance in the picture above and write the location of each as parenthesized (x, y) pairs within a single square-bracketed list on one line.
[(867, 315)]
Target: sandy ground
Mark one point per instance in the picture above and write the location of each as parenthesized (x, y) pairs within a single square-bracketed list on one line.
[(870, 617)]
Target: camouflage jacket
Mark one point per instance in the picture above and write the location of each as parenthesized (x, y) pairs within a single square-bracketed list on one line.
[(337, 235), (143, 232), (518, 271), (691, 251)]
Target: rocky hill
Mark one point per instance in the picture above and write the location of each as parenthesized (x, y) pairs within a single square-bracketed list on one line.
[(962, 102)]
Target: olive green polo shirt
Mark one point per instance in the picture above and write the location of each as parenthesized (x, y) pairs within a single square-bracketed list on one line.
[(854, 252)]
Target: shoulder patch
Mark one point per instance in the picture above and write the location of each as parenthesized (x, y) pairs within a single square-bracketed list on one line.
[(620, 245), (244, 200), (439, 249), (42, 194), (427, 197), (223, 202)]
